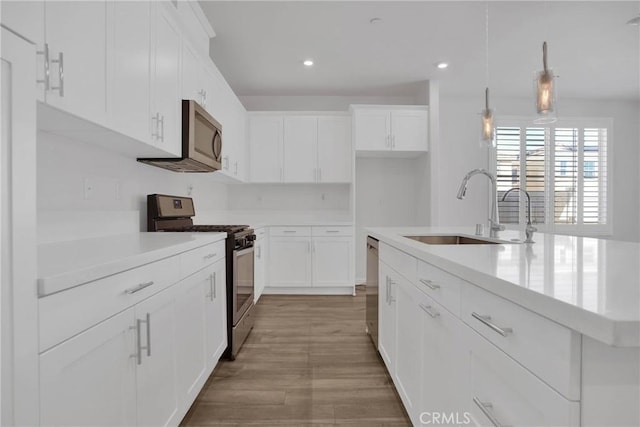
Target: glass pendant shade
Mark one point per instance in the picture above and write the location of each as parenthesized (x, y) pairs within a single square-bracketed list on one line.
[(545, 92), (487, 123)]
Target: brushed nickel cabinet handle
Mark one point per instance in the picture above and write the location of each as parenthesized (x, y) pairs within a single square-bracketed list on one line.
[(161, 123), (486, 407), (148, 335), (209, 256), (429, 284), (138, 288), (60, 62), (155, 124), (486, 320), (429, 310), (138, 341), (47, 67), (215, 286)]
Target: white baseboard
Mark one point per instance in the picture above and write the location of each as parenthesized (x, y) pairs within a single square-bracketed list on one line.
[(333, 290)]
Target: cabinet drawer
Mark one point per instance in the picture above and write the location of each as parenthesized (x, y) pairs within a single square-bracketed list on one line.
[(199, 258), (67, 313), (504, 393), (401, 262), (440, 285), (261, 233), (290, 231), (327, 231), (549, 350)]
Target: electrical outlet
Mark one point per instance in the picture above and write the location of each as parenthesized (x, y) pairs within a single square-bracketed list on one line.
[(190, 190), (88, 188)]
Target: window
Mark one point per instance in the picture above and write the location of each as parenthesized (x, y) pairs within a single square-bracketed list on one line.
[(563, 167)]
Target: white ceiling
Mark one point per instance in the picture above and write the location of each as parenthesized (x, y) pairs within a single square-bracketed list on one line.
[(259, 46)]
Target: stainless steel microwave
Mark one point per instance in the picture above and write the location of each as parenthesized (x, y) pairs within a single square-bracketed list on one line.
[(201, 142)]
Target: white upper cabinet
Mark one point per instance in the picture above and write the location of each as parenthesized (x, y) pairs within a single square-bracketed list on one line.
[(190, 70), (165, 118), (409, 130), (372, 129), (75, 37), (312, 148), (334, 149), (300, 141), (128, 72), (390, 128), (265, 148)]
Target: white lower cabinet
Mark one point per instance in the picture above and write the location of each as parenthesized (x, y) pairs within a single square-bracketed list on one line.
[(157, 397), (215, 309), (387, 317), (447, 372), (311, 257), (259, 265), (290, 261), (146, 364), (330, 265), (502, 392), (408, 338), (445, 368), (71, 371)]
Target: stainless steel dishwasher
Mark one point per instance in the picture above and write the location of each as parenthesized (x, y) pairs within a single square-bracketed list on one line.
[(372, 289)]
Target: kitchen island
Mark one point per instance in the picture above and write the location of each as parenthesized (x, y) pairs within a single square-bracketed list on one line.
[(509, 333)]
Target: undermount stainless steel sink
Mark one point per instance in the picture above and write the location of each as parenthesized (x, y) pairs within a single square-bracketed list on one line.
[(450, 240)]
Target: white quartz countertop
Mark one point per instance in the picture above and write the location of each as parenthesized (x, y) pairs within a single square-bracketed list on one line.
[(63, 265), (589, 285)]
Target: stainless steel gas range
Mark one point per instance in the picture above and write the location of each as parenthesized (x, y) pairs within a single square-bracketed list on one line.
[(174, 213)]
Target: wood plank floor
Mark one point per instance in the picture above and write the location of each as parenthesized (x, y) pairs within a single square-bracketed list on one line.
[(308, 361)]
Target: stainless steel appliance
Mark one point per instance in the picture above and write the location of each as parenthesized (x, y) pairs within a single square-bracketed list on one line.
[(201, 142), (372, 289), (173, 213)]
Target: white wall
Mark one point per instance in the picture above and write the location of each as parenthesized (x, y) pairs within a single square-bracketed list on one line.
[(387, 194), (459, 151), (117, 203)]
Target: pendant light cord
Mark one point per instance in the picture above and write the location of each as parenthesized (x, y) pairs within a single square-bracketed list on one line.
[(544, 56), (486, 43)]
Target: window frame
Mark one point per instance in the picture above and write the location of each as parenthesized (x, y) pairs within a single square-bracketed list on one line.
[(579, 229)]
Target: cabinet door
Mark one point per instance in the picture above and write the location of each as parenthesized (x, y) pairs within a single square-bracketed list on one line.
[(300, 139), (503, 392), (334, 149), (259, 270), (409, 130), (190, 75), (265, 148), (372, 130), (76, 35), (165, 111), (332, 261), (408, 346), (156, 373), (215, 291), (190, 335), (129, 68), (444, 362), (91, 378), (290, 261), (387, 317)]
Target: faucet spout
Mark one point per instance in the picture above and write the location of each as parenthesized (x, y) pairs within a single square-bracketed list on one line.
[(529, 229), (494, 221)]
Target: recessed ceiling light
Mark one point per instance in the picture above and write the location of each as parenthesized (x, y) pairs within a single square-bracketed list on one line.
[(634, 21), (442, 65), (307, 62), (373, 21)]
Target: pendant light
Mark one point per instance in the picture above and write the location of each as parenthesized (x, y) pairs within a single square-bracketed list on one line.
[(545, 87), (486, 116)]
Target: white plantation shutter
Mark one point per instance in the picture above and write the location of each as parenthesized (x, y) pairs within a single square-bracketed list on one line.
[(563, 167)]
